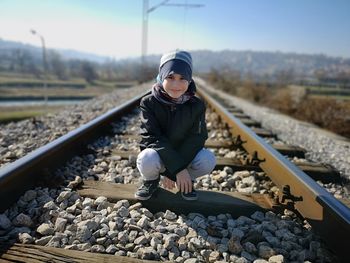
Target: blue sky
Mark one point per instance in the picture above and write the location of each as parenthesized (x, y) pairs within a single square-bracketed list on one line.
[(114, 27)]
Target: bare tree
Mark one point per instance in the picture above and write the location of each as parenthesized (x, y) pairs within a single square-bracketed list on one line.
[(88, 71), (58, 66), (343, 78)]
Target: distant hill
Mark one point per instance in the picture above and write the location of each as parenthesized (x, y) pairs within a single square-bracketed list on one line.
[(252, 62), (264, 63), (7, 46)]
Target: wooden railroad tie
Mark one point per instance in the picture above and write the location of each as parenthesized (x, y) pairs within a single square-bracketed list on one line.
[(318, 172), (234, 110), (250, 122), (208, 203), (284, 149), (35, 253), (240, 115), (263, 132)]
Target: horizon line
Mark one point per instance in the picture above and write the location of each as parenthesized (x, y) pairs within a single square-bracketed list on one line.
[(192, 50)]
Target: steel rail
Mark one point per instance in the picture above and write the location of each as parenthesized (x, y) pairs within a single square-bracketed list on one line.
[(19, 176), (329, 217)]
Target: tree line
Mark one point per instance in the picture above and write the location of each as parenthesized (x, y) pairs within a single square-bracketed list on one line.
[(319, 70), (24, 61)]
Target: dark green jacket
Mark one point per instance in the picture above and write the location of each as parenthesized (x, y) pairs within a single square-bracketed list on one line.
[(177, 132)]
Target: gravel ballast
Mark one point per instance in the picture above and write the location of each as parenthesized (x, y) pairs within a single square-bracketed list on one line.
[(20, 138), (62, 218)]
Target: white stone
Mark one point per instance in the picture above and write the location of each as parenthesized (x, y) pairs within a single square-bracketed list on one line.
[(45, 229), (276, 259), (60, 224)]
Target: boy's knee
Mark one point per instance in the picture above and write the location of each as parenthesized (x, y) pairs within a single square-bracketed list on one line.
[(210, 161), (148, 162), (205, 161), (147, 155)]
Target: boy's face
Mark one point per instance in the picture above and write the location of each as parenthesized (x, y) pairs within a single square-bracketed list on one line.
[(175, 85)]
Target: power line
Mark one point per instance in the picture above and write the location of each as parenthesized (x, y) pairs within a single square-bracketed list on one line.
[(184, 25), (146, 11)]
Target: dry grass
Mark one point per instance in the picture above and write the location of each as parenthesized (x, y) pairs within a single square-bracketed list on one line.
[(25, 86), (8, 114), (326, 112), (52, 92)]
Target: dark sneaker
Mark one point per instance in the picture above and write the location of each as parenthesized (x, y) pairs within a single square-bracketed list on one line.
[(147, 189), (191, 196)]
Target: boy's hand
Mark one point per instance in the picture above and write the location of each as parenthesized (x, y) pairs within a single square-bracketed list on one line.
[(183, 181), (167, 183)]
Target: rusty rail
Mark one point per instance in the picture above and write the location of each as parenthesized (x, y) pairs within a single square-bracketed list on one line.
[(328, 216), (19, 176)]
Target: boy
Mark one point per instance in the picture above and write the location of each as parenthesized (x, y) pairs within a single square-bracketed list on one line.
[(173, 130)]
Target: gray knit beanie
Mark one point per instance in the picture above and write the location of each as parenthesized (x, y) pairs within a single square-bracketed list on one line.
[(176, 54), (177, 61)]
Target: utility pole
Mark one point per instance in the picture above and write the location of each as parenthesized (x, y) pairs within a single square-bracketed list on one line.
[(44, 63), (146, 11)]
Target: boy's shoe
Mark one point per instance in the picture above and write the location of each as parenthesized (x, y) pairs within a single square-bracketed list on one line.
[(147, 189), (191, 196)]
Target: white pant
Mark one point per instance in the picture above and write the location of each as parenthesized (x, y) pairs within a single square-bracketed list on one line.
[(150, 165)]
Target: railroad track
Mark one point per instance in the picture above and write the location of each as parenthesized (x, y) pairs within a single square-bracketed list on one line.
[(62, 192)]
